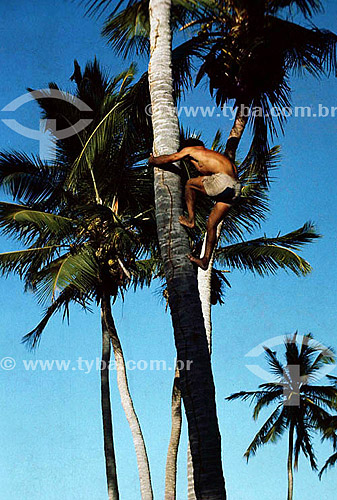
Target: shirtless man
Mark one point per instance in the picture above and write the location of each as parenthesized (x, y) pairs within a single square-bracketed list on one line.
[(218, 179)]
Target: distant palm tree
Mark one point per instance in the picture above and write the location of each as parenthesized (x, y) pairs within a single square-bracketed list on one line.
[(302, 408), (83, 226)]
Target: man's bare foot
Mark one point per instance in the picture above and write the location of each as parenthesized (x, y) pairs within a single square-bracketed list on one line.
[(184, 221), (202, 263)]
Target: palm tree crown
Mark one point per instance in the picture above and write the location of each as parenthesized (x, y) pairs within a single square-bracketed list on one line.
[(247, 50), (87, 219)]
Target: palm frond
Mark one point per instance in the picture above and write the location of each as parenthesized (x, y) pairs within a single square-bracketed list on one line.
[(326, 356), (304, 441), (307, 7), (68, 295), (331, 462), (146, 270), (320, 399), (275, 365), (245, 395), (271, 430), (127, 30), (266, 399), (21, 261), (28, 179), (22, 220), (267, 255), (307, 50), (79, 270), (219, 285)]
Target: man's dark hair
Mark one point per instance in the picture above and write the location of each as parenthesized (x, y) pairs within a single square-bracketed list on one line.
[(190, 143)]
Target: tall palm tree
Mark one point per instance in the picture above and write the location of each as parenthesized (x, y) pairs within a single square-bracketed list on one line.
[(302, 408), (197, 386), (82, 223)]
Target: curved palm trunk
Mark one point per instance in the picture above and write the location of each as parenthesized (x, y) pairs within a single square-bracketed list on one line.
[(138, 440), (109, 451), (290, 463), (172, 453), (196, 379), (240, 122)]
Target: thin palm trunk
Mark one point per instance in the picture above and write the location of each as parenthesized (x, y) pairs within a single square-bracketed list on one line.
[(205, 289), (290, 463), (109, 451), (172, 453), (196, 379), (127, 403)]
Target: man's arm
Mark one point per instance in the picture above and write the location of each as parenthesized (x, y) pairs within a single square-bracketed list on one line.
[(164, 159)]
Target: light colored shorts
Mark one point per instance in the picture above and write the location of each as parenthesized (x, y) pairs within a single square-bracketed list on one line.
[(222, 187)]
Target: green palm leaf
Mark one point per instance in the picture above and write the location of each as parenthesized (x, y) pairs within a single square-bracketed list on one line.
[(80, 271), (266, 255), (331, 462), (267, 398), (21, 261), (127, 31), (304, 442), (272, 429), (19, 218), (28, 179), (68, 295)]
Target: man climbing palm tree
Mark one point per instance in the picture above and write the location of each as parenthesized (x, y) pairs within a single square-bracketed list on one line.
[(218, 179)]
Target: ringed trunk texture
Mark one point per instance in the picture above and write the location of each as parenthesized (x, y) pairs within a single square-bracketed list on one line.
[(127, 404), (205, 290), (109, 451), (172, 453), (290, 463), (196, 379), (240, 122)]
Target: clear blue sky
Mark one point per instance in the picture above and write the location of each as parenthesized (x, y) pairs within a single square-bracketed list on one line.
[(51, 436)]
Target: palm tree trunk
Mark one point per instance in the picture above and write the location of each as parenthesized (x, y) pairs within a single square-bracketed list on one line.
[(109, 451), (240, 122), (196, 379), (290, 463), (205, 289), (127, 403), (190, 478), (172, 453)]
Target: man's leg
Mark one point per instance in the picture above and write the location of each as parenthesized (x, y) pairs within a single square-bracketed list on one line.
[(192, 186), (216, 216)]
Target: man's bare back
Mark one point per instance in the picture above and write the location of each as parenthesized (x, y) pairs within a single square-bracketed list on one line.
[(206, 161), (218, 179)]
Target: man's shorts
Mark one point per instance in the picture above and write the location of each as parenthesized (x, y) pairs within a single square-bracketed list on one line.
[(222, 187)]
